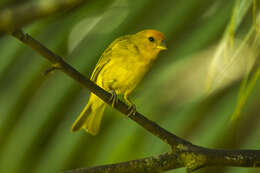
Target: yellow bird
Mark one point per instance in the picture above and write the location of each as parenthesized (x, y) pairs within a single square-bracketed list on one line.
[(120, 68)]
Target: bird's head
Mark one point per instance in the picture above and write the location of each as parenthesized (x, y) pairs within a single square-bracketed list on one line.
[(151, 42)]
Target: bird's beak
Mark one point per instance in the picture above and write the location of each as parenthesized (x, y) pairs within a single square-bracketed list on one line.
[(162, 46)]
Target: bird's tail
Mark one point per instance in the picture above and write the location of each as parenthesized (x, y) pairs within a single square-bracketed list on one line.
[(91, 116)]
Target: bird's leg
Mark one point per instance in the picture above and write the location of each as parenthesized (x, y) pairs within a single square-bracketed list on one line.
[(131, 107), (113, 98)]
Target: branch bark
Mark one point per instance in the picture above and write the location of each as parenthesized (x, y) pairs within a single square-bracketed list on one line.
[(193, 159), (153, 164), (183, 153)]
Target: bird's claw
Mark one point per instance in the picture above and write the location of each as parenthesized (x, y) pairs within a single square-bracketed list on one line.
[(132, 110), (113, 98)]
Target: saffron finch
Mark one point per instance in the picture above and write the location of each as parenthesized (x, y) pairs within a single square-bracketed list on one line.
[(120, 68)]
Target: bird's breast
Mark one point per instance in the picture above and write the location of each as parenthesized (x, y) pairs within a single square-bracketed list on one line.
[(123, 74)]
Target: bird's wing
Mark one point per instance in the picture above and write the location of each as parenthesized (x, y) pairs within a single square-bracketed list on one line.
[(107, 55)]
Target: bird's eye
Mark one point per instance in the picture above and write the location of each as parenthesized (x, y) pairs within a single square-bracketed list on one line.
[(151, 39)]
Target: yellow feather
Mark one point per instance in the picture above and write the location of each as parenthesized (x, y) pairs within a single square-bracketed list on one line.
[(120, 68)]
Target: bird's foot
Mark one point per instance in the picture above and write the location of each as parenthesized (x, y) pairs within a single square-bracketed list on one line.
[(113, 98), (132, 110)]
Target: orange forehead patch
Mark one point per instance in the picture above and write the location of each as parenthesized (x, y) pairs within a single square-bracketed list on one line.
[(152, 33)]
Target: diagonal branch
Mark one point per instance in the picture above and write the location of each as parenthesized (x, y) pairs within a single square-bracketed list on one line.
[(183, 154), (59, 63)]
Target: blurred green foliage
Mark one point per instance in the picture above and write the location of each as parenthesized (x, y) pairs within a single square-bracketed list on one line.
[(36, 111)]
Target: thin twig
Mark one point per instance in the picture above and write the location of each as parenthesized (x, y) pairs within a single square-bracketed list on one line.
[(49, 70)]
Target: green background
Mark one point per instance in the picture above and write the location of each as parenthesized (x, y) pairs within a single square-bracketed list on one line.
[(36, 111)]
